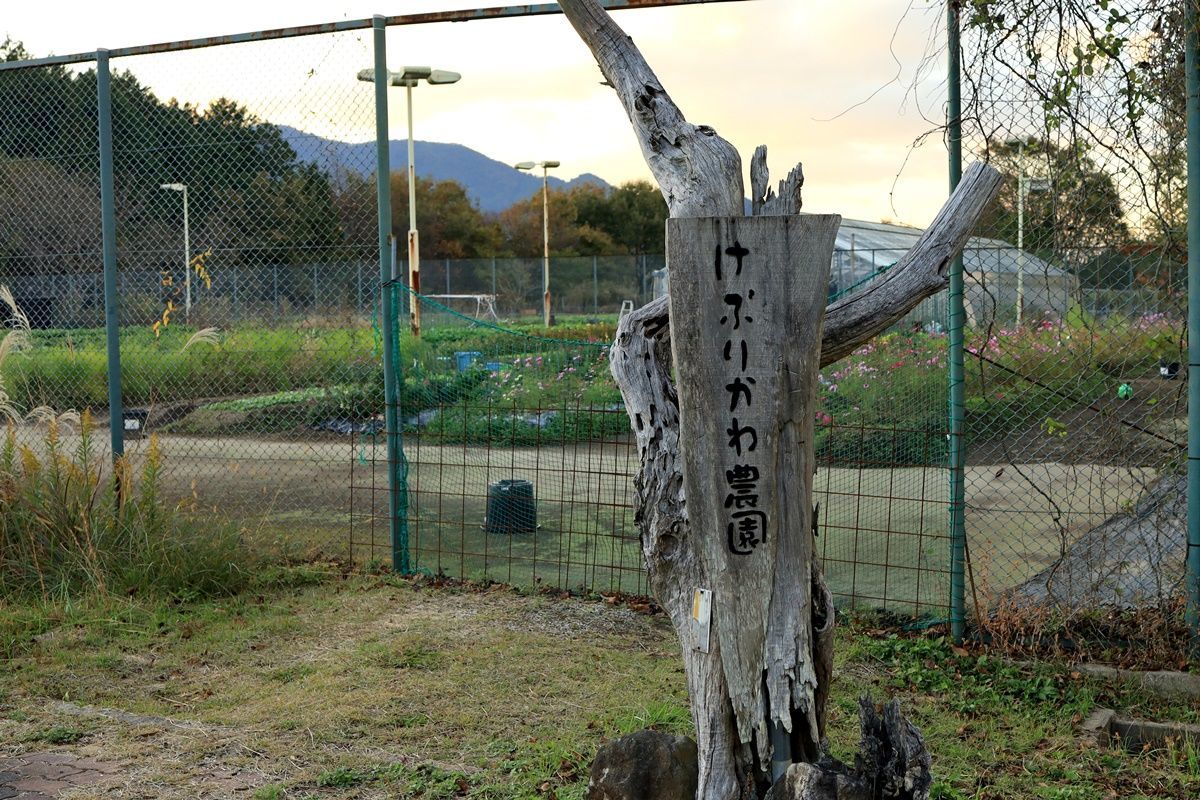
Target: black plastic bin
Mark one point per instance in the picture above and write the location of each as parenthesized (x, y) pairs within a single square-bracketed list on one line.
[(511, 507)]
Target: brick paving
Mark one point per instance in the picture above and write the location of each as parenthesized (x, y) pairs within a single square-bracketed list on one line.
[(41, 776)]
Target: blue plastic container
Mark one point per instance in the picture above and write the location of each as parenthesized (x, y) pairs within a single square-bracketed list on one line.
[(465, 358)]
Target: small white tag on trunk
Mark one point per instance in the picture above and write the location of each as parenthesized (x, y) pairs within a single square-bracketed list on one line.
[(702, 618)]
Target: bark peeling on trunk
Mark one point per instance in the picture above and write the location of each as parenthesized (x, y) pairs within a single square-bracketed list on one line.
[(700, 175)]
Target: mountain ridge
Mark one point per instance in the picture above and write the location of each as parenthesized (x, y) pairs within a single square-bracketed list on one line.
[(491, 184)]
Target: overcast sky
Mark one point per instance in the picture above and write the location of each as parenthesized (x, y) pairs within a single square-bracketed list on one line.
[(844, 87)]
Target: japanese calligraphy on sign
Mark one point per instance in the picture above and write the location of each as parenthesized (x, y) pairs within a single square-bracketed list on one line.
[(747, 303), (746, 524), (747, 300)]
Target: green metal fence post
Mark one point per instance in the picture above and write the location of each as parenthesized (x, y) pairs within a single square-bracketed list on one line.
[(397, 486), (957, 315), (1192, 63), (108, 227)]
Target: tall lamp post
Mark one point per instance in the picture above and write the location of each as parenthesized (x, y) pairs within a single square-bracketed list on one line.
[(546, 167), (1025, 185), (187, 250), (409, 77)]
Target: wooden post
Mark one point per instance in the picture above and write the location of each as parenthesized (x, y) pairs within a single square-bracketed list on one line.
[(747, 302)]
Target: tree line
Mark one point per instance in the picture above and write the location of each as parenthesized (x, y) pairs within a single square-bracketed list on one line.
[(251, 199)]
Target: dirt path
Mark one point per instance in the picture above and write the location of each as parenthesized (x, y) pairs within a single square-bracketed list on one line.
[(353, 690), (42, 775)]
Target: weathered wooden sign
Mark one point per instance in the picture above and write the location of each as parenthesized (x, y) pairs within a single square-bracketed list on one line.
[(747, 301)]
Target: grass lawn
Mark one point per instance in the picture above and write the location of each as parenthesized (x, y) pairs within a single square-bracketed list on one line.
[(327, 687)]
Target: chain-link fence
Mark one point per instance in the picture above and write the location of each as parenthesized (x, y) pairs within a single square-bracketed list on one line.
[(252, 341), (1076, 404), (245, 288), (246, 275)]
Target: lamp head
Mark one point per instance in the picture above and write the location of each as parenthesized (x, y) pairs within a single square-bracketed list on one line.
[(550, 164), (525, 165), (441, 76), (174, 187), (411, 76)]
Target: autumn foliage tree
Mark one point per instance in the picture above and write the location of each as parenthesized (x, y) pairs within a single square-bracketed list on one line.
[(451, 224)]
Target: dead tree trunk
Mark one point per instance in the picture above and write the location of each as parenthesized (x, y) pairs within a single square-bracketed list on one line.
[(758, 672)]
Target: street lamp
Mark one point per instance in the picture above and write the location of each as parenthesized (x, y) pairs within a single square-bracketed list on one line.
[(546, 167), (1025, 185), (409, 77), (187, 250)]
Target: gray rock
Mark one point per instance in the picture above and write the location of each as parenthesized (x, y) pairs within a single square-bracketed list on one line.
[(1132, 559), (647, 765)]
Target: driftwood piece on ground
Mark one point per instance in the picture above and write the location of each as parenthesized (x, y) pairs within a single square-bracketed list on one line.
[(892, 764)]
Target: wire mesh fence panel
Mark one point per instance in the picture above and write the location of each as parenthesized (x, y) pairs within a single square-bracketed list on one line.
[(488, 410), (248, 277), (247, 274), (518, 457), (49, 234), (1076, 414), (881, 449)]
